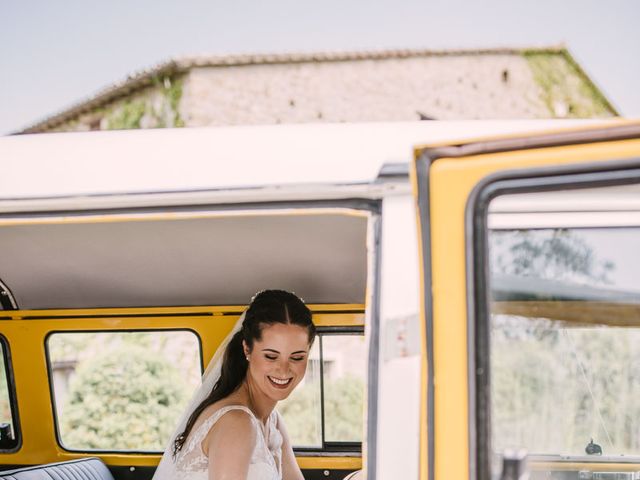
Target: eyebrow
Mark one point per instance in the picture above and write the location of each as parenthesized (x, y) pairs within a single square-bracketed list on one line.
[(276, 351)]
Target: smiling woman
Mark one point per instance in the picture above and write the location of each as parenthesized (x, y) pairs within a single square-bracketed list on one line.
[(280, 357), (234, 429)]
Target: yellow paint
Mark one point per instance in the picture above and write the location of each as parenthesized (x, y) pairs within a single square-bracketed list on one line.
[(342, 320), (323, 315), (451, 182), (27, 344), (26, 333), (122, 312), (174, 216), (329, 463)]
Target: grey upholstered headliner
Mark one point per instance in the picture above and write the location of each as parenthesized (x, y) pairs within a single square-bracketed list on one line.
[(197, 261)]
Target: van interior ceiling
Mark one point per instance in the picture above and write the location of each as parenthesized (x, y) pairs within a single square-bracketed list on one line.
[(186, 258)]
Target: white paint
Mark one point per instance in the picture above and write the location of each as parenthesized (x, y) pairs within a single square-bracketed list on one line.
[(99, 163), (603, 199), (399, 377), (564, 220)]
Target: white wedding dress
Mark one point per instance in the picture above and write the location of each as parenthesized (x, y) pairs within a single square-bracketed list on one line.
[(266, 460)]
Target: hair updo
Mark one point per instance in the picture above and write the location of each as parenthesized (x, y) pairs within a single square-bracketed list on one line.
[(267, 308)]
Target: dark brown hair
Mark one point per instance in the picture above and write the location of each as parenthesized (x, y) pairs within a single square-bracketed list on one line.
[(266, 308)]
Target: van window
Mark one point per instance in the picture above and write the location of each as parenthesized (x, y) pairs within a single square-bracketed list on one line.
[(121, 391), (8, 433), (325, 412), (302, 411), (344, 363), (564, 336)]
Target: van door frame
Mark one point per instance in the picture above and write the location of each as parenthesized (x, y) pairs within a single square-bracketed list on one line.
[(549, 179), (425, 157)]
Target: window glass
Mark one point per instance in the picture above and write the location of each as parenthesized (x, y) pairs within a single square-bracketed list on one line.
[(5, 406), (302, 411), (340, 360), (121, 390), (7, 430), (344, 370), (564, 341)]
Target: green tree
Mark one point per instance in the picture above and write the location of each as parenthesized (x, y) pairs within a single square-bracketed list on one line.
[(301, 412), (5, 412), (125, 398), (5, 409), (343, 406), (555, 385), (557, 254)]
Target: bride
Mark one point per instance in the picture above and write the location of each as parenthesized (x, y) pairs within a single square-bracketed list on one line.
[(231, 430)]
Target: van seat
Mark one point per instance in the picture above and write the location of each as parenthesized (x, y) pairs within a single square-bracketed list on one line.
[(83, 469)]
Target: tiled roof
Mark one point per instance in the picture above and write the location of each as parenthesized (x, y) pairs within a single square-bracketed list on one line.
[(146, 77)]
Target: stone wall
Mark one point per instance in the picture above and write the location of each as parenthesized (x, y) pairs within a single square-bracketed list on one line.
[(452, 87), (529, 84)]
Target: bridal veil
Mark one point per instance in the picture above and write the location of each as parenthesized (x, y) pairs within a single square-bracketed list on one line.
[(167, 468)]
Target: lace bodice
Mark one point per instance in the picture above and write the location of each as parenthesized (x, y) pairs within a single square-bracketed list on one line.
[(266, 460)]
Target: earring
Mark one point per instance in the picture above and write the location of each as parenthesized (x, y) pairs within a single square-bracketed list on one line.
[(247, 357)]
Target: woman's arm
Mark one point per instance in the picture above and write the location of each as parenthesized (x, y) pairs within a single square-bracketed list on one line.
[(290, 468), (229, 446)]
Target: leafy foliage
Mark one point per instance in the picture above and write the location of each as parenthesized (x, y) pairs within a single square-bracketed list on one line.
[(553, 393), (5, 409), (126, 398), (301, 412), (557, 254), (343, 412), (344, 409), (127, 116), (556, 385)]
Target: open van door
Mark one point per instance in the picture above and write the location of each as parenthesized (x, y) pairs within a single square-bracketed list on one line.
[(531, 304)]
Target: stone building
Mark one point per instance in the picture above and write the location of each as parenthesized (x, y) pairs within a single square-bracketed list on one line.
[(390, 85)]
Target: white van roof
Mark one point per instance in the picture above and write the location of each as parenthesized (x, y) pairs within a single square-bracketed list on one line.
[(60, 250), (163, 160)]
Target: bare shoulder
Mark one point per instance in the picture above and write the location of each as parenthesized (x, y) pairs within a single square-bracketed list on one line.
[(230, 445), (235, 429), (235, 420), (212, 409)]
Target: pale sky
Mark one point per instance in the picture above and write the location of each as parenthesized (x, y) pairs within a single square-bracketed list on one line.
[(56, 53)]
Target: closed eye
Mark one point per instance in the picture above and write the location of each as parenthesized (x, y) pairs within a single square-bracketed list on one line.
[(297, 359), (271, 357)]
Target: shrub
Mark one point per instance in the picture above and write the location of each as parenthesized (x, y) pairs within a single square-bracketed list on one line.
[(127, 398)]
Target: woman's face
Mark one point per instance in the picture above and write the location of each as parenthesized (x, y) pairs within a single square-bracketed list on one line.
[(278, 361)]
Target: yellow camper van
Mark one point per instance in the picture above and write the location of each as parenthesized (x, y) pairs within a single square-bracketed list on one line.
[(476, 287)]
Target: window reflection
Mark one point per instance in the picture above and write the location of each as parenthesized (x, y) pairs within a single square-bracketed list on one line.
[(564, 337)]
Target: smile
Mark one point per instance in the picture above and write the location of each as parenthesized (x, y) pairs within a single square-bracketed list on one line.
[(279, 382)]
